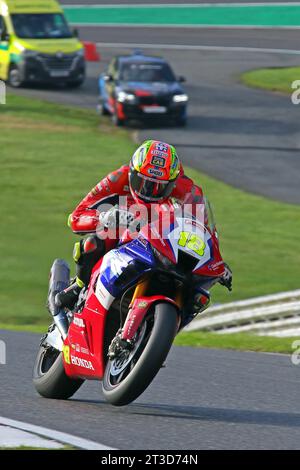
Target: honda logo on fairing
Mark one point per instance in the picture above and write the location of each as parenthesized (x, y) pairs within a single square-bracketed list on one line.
[(77, 361), (59, 55)]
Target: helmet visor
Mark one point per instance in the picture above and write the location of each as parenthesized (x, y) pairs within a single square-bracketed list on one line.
[(150, 189)]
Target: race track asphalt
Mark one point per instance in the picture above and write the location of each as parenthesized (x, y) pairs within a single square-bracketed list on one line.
[(203, 399), (245, 137)]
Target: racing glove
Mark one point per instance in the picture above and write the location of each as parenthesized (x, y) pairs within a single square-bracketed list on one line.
[(226, 279), (115, 217)]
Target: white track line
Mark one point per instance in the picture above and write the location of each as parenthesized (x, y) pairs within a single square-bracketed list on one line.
[(56, 435), (196, 48), (179, 26)]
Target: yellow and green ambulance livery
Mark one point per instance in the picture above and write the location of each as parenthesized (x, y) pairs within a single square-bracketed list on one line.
[(36, 44)]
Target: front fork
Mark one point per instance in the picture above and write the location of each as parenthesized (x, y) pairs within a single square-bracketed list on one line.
[(138, 308), (140, 305)]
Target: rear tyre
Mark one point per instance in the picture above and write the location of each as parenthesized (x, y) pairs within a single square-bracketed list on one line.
[(49, 377), (124, 381)]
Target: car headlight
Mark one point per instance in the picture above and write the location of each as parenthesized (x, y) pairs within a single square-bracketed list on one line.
[(126, 97), (80, 53), (29, 53), (183, 98), (162, 258)]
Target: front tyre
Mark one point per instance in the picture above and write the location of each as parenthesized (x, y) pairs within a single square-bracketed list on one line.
[(49, 377), (127, 378), (15, 79), (116, 119)]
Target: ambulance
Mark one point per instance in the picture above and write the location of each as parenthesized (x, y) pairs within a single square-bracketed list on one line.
[(37, 45)]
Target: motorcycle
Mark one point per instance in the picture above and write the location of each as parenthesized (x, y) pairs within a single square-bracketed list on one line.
[(140, 296)]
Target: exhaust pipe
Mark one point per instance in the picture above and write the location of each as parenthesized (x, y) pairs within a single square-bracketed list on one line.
[(59, 280)]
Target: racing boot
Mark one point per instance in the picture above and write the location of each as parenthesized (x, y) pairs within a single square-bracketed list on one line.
[(68, 297)]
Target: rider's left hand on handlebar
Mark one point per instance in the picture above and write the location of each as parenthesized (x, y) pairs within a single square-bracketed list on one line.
[(226, 279)]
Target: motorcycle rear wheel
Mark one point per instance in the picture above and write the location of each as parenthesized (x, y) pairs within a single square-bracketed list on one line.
[(155, 338), (49, 377)]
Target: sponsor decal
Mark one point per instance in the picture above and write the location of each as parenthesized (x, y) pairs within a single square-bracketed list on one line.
[(77, 361), (215, 266), (142, 240), (155, 172), (106, 185), (66, 353), (97, 189), (175, 164), (79, 322), (159, 154), (195, 223), (158, 161), (143, 304), (131, 324), (162, 147), (84, 351), (79, 349)]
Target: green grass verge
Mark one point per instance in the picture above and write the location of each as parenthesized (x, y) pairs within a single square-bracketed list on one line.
[(238, 341), (52, 155), (273, 79)]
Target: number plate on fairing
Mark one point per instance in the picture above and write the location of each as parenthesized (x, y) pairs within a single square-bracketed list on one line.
[(193, 238)]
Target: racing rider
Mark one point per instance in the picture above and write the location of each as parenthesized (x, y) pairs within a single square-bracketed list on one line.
[(154, 175)]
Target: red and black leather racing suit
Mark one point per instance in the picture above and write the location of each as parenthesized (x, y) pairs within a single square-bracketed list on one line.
[(85, 218)]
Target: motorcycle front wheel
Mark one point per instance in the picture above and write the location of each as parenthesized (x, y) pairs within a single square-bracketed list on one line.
[(49, 377), (127, 376)]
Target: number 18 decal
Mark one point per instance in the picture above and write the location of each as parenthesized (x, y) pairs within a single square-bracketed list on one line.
[(193, 242)]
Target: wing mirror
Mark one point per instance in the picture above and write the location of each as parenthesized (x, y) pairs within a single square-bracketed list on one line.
[(181, 79), (107, 78), (4, 36)]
